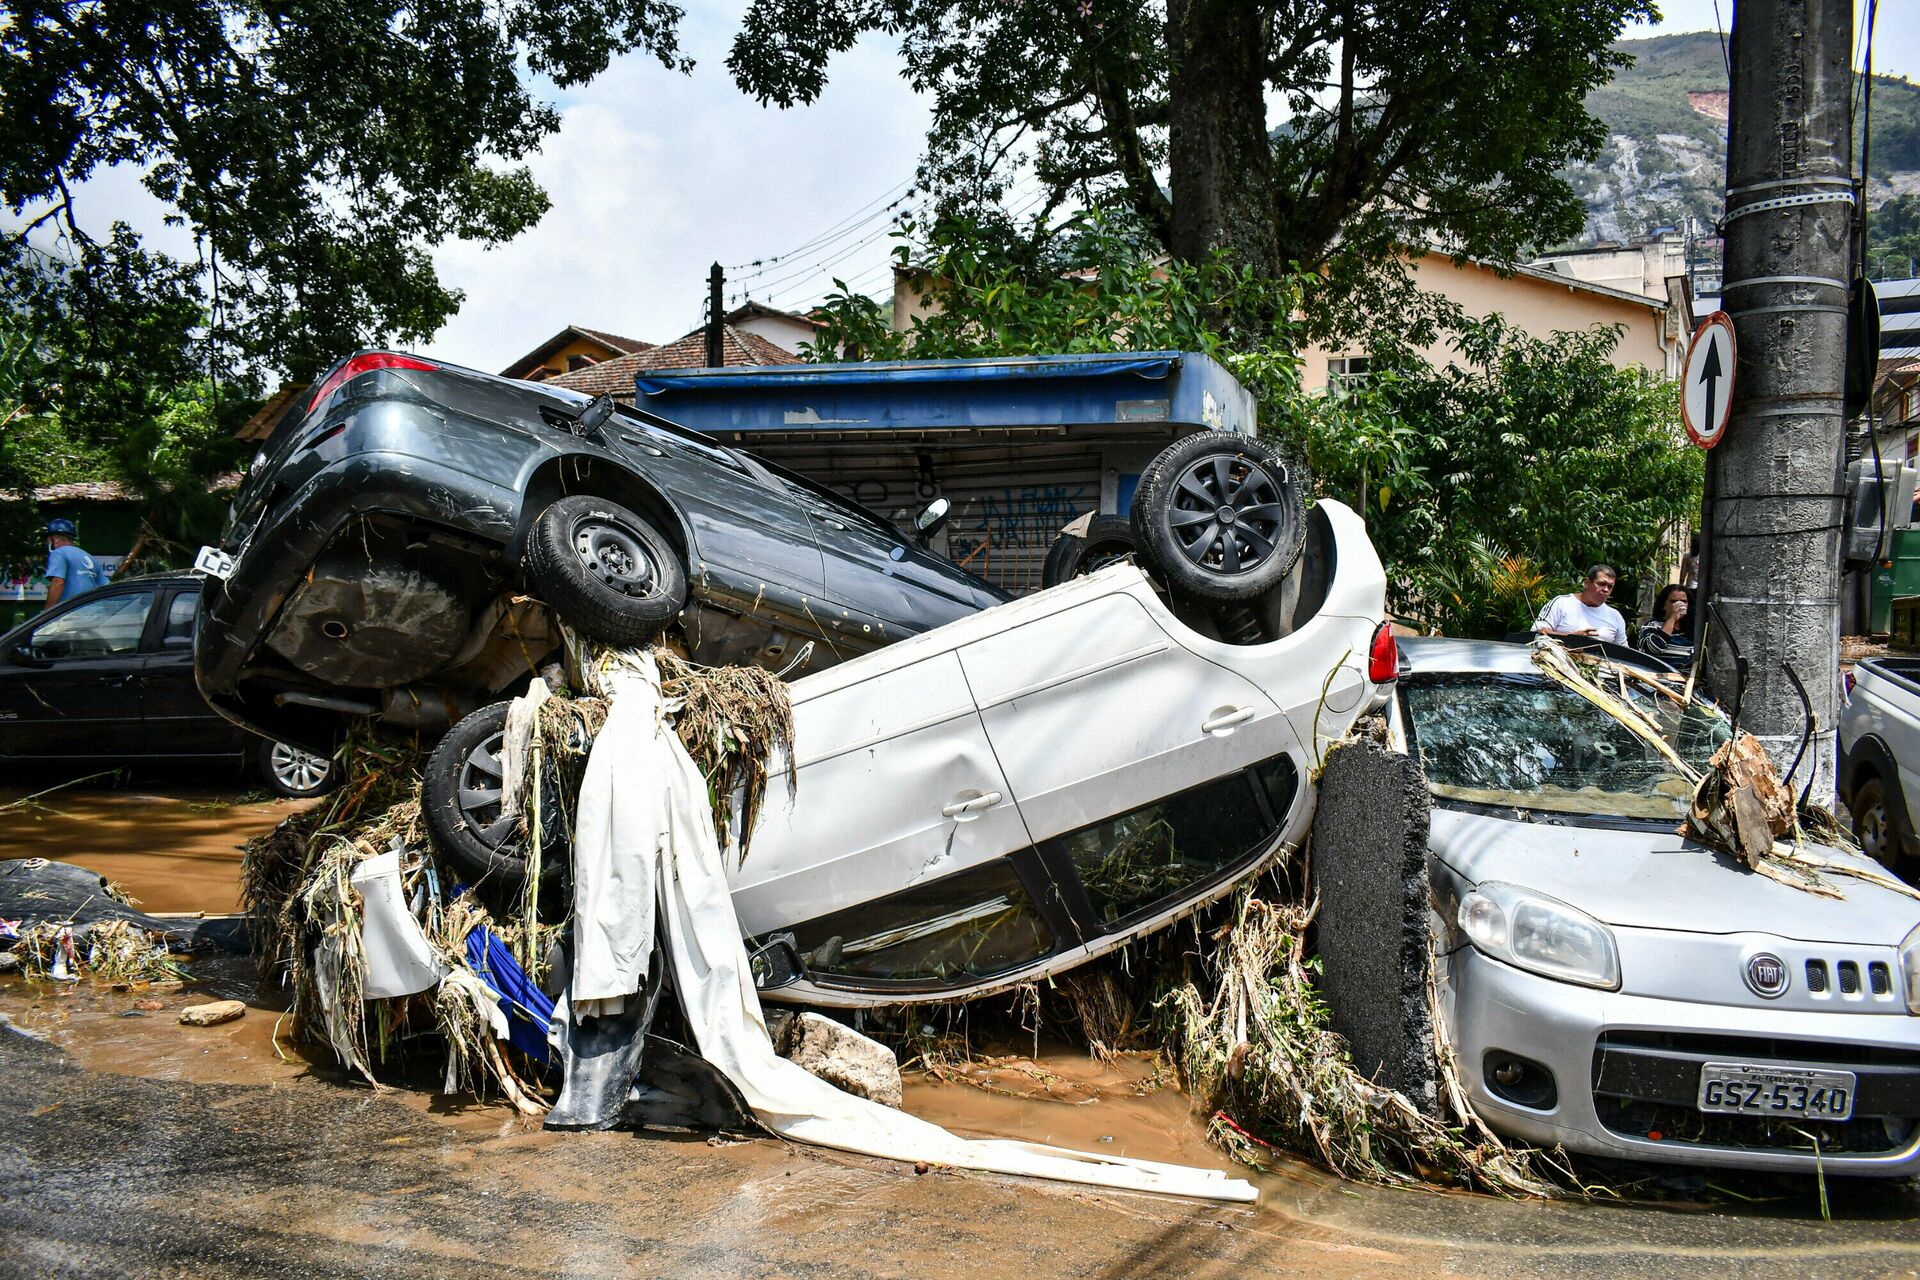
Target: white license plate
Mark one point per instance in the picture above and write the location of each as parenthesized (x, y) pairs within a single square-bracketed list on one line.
[(1746, 1089), (213, 562)]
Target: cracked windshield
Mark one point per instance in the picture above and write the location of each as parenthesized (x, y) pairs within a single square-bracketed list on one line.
[(1527, 742)]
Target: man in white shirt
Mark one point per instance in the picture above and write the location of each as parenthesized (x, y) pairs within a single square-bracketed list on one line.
[(1586, 612)]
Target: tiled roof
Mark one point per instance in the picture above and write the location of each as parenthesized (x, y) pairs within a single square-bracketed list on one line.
[(615, 377), (750, 309), (615, 341), (529, 361)]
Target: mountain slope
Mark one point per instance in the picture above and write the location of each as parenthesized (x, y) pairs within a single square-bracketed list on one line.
[(1666, 153)]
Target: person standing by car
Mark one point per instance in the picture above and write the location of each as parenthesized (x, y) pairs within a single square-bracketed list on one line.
[(1667, 633), (1586, 612), (70, 570)]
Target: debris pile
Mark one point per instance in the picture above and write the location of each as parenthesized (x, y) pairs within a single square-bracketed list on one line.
[(1740, 806), (63, 923), (1252, 1040), (299, 882)]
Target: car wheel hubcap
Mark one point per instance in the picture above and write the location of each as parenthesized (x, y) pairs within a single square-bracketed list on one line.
[(612, 554), (1227, 514), (1873, 832), (295, 769), (480, 790)]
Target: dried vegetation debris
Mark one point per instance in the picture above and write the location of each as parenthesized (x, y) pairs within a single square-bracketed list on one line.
[(297, 880), (1252, 1040), (1740, 806)]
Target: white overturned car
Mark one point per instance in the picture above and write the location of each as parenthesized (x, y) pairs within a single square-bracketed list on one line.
[(1016, 792), (1619, 990)]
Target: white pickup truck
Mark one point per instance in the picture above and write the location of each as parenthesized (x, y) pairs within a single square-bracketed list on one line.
[(1880, 759)]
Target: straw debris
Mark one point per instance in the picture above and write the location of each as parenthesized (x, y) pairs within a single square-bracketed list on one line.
[(1740, 806), (1258, 1052), (297, 880)]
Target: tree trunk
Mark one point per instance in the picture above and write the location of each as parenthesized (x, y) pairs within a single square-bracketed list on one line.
[(1218, 156)]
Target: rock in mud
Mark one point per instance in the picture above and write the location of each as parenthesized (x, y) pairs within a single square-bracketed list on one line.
[(843, 1058), (212, 1015), (8, 962)]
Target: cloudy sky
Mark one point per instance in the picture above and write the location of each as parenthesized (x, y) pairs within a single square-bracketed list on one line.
[(654, 176)]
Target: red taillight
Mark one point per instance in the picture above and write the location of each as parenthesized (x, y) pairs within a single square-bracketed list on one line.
[(364, 364), (1383, 655)]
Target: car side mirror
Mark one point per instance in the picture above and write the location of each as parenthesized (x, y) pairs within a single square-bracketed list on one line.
[(929, 522), (594, 416), (775, 963)]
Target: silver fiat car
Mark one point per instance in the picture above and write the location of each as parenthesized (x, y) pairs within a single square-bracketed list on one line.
[(1616, 989)]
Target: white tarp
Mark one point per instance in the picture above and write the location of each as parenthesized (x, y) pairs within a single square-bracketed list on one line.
[(644, 832)]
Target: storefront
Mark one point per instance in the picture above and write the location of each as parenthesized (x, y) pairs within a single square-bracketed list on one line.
[(1020, 447)]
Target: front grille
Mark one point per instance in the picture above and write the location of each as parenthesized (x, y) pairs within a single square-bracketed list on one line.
[(1744, 1048), (1880, 978), (1849, 978), (1816, 976), (1862, 1136), (1646, 1084)]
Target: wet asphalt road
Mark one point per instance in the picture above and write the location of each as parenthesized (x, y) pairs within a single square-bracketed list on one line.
[(122, 1157), (103, 1174)]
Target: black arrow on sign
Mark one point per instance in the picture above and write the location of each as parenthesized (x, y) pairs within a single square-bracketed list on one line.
[(1710, 374)]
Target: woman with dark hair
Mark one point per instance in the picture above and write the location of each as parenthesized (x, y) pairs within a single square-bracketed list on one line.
[(1668, 631)]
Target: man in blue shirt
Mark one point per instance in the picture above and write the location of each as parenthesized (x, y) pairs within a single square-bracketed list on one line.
[(70, 571)]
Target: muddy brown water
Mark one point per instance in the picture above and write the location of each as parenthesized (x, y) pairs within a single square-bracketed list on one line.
[(176, 849)]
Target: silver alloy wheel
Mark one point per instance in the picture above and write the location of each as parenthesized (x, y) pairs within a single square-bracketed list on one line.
[(1870, 827), (480, 788), (612, 553), (297, 770), (1227, 513)]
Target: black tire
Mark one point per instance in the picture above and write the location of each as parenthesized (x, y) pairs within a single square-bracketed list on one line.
[(1874, 824), (292, 773), (607, 572), (460, 801), (1218, 516), (1108, 540)]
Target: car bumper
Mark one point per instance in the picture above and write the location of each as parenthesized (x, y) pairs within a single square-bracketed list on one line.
[(1617, 1059), (238, 615)]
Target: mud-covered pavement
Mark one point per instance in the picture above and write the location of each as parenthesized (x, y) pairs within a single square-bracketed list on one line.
[(131, 1145)]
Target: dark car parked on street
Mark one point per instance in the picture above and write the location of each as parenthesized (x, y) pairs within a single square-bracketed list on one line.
[(106, 679)]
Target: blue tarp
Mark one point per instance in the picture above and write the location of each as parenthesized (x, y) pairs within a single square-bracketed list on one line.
[(1101, 392), (529, 1011), (1153, 364)]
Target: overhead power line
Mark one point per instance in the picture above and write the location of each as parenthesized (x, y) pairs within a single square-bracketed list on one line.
[(832, 233)]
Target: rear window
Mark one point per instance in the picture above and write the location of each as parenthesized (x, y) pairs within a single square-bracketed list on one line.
[(1527, 742)]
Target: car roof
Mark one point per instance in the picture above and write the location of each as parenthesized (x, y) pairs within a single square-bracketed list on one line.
[(1421, 655)]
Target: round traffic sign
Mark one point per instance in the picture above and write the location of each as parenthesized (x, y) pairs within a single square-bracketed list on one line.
[(1706, 380)]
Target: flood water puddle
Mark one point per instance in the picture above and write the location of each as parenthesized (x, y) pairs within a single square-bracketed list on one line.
[(177, 850)]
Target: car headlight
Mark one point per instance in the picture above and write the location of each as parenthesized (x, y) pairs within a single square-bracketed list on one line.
[(1910, 968), (1546, 936)]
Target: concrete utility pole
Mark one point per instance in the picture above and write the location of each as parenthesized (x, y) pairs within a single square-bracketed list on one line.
[(1774, 536)]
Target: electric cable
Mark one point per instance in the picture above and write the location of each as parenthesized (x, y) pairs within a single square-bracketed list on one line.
[(837, 231)]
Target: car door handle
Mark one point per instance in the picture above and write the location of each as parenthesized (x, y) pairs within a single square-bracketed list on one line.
[(830, 522), (116, 682), (974, 805), (1239, 715)]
